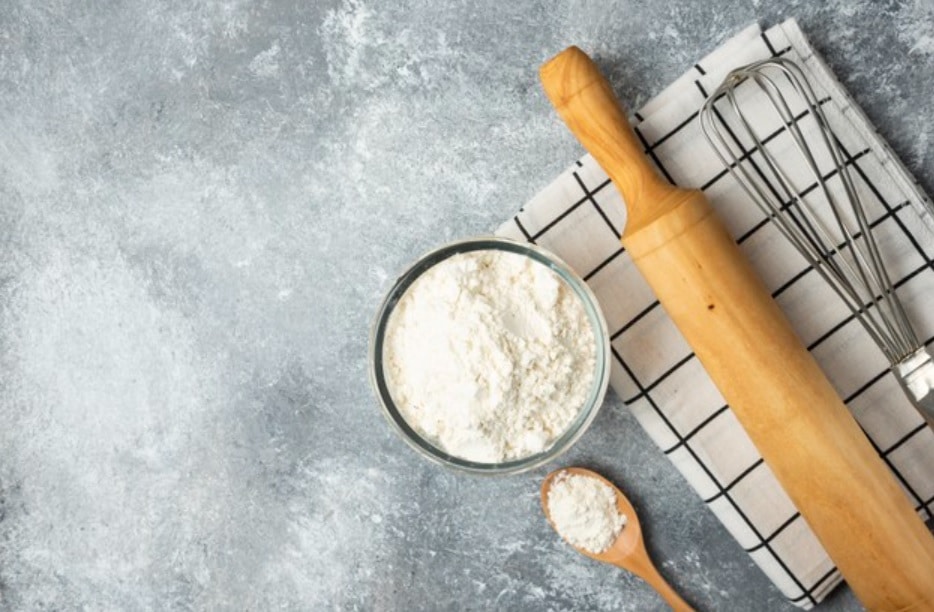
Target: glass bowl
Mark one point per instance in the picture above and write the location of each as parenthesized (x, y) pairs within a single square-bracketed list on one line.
[(601, 347)]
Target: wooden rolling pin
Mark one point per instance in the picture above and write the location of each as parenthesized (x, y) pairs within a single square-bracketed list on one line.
[(777, 391)]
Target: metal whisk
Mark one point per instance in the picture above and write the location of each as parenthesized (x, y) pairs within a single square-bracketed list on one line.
[(813, 201)]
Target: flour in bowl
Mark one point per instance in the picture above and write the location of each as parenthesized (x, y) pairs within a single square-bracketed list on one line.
[(490, 355), (583, 510)]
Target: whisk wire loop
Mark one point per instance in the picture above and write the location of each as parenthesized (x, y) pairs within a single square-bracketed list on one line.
[(847, 257)]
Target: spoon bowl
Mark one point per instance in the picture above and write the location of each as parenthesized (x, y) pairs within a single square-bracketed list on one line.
[(628, 550)]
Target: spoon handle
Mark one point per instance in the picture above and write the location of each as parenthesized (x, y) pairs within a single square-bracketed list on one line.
[(645, 569)]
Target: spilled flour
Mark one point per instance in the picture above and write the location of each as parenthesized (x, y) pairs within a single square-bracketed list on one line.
[(490, 355), (583, 510)]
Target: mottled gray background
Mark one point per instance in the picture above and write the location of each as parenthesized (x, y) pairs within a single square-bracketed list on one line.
[(201, 204)]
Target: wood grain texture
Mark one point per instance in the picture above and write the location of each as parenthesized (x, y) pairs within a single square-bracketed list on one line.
[(587, 104), (776, 389)]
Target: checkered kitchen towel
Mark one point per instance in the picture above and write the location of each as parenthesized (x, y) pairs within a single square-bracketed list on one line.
[(580, 217)]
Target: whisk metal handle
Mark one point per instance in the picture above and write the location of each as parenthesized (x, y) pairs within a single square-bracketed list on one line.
[(587, 104), (916, 374)]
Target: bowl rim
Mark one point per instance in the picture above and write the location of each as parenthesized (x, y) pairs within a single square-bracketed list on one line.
[(602, 347)]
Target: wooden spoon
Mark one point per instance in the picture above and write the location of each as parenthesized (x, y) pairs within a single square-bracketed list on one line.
[(628, 551)]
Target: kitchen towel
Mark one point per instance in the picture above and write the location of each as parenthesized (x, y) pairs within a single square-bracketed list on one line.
[(580, 217)]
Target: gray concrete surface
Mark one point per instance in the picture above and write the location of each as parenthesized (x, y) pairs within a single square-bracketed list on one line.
[(201, 204)]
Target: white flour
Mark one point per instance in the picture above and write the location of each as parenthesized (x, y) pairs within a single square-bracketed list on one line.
[(583, 510), (490, 355)]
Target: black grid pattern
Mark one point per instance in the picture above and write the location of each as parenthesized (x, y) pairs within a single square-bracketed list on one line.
[(656, 373)]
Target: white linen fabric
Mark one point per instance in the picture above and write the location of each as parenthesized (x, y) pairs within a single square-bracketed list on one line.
[(580, 217)]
